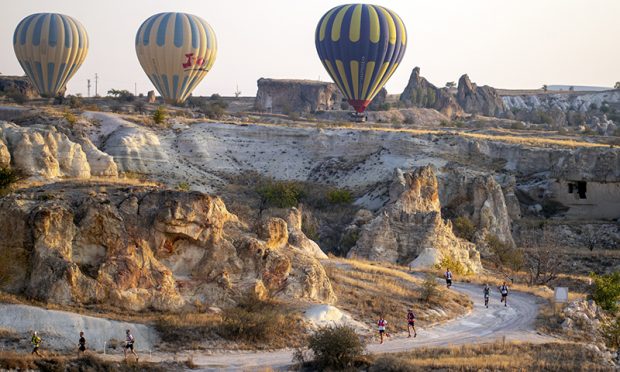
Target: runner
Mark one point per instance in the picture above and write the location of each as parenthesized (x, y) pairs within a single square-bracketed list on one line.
[(411, 323), (81, 345), (129, 341), (36, 343), (448, 276), (382, 323), (487, 293), (504, 290)]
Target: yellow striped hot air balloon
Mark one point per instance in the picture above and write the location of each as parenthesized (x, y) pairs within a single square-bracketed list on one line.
[(360, 46), (176, 50), (50, 47)]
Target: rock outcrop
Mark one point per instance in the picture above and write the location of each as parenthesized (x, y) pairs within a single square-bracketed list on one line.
[(18, 84), (480, 198), (143, 248), (410, 230), (42, 151), (419, 92), (299, 96), (479, 100)]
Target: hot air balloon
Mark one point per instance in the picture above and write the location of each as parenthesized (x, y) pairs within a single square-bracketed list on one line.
[(360, 46), (50, 48), (176, 50)]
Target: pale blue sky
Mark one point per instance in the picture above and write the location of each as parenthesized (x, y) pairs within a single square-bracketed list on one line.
[(507, 43)]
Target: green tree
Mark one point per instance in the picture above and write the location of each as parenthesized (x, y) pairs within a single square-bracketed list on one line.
[(545, 88), (617, 85), (464, 228), (450, 84), (159, 116), (122, 95), (606, 291)]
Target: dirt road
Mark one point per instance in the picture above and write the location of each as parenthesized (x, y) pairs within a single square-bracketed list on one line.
[(514, 322)]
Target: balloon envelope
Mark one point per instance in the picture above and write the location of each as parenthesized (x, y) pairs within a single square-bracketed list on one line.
[(50, 47), (360, 46), (176, 50)]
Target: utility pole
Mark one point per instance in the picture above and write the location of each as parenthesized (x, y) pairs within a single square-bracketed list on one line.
[(96, 81), (135, 89), (88, 85)]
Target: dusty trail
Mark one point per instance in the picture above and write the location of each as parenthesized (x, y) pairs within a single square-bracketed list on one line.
[(514, 322)]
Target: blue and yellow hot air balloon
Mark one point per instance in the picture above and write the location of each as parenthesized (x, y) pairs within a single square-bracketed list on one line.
[(50, 48), (176, 50), (360, 46)]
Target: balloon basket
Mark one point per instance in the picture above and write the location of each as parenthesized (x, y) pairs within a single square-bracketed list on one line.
[(358, 117)]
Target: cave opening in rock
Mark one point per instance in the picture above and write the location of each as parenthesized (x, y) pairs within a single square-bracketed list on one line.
[(581, 189)]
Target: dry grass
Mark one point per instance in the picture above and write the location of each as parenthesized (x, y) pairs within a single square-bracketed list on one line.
[(497, 356), (368, 289), (49, 362), (249, 326)]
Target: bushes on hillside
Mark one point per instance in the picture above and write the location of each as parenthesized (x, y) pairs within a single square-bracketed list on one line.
[(505, 255), (464, 228), (429, 291), (336, 347), (606, 291), (281, 194), (159, 116), (9, 176), (339, 196)]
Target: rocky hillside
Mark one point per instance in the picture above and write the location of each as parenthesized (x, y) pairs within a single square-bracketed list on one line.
[(144, 248), (409, 228)]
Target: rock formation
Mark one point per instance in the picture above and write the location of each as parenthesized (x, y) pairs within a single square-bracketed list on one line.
[(42, 151), (479, 100), (142, 248), (477, 196), (410, 230), (300, 96), (419, 92), (18, 84), (378, 101)]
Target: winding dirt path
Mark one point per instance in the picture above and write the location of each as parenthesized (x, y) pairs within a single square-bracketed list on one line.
[(514, 322)]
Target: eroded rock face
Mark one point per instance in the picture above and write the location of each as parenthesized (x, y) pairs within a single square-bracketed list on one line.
[(42, 151), (479, 100), (410, 225), (144, 248), (284, 96), (20, 84), (480, 198), (419, 92)]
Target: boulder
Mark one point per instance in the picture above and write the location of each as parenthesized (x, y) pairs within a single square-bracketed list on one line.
[(410, 224), (141, 248), (479, 100)]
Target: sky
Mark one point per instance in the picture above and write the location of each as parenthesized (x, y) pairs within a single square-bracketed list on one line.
[(509, 44)]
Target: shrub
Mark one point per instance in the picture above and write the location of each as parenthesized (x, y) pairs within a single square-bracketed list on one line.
[(429, 291), (183, 186), (390, 363), (159, 116), (454, 265), (214, 108), (339, 196), (464, 228), (606, 292), (504, 253), (281, 194), (336, 347), (9, 176), (253, 321), (74, 102), (611, 333), (139, 107), (70, 118)]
